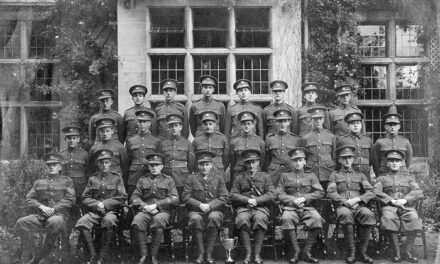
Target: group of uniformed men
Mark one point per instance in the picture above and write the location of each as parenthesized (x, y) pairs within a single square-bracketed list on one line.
[(308, 153)]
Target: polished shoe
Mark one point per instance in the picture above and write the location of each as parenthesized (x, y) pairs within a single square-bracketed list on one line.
[(397, 259), (309, 258), (210, 259), (258, 260), (410, 258), (366, 259), (294, 260), (142, 260), (350, 260), (199, 259), (154, 260), (247, 259)]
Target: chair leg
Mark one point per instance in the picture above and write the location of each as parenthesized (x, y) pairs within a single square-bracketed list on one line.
[(425, 248), (273, 241)]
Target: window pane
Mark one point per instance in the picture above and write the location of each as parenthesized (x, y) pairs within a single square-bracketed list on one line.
[(210, 27), (10, 134), (9, 39), (42, 83), (409, 82), (372, 40), (374, 82), (407, 42), (373, 121), (167, 27), (256, 69), (44, 131), (210, 65), (42, 41), (252, 27), (164, 67)]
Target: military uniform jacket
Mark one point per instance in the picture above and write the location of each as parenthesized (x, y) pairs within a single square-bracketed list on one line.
[(159, 190), (398, 186), (216, 143), (232, 124), (389, 142), (166, 108), (52, 191), (105, 187), (258, 187), (118, 127), (179, 158), (119, 160), (211, 191), (363, 145), (199, 107), (277, 146), (296, 184), (269, 121), (304, 126), (337, 123), (130, 122), (322, 145), (241, 143), (75, 162), (347, 184), (138, 146)]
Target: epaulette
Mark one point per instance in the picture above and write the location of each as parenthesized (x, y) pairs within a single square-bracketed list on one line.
[(159, 105), (179, 104), (218, 133), (63, 150), (165, 175), (129, 109), (65, 177), (116, 173), (355, 107), (402, 137), (293, 134), (271, 134), (267, 107)]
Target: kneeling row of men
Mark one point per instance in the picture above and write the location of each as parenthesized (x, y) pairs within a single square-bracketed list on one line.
[(205, 196)]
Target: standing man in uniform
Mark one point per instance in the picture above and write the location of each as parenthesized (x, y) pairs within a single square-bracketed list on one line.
[(208, 84), (363, 144), (138, 94), (304, 123), (105, 111), (51, 197), (103, 196), (170, 106), (278, 145), (246, 140), (352, 192), (205, 196), (251, 194), (154, 197), (337, 123), (138, 146), (297, 190), (119, 164), (178, 152), (391, 141), (278, 93), (232, 124)]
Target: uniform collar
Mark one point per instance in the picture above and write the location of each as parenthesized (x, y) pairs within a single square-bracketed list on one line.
[(151, 176), (170, 102), (53, 176), (318, 130), (281, 103), (357, 135), (308, 104), (207, 100), (344, 107), (346, 170), (105, 111), (175, 137), (281, 133), (388, 135), (70, 149), (244, 103)]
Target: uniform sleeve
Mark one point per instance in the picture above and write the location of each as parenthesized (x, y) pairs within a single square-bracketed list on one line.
[(88, 200), (129, 154), (222, 118), (317, 191), (185, 129), (192, 120), (187, 196), (331, 125), (92, 130), (332, 190), (267, 160), (32, 197), (228, 124), (172, 198), (368, 190), (191, 158), (91, 161), (223, 196), (415, 193), (237, 198), (123, 158), (68, 199), (327, 122), (121, 128), (334, 156), (264, 118), (260, 124), (232, 158), (284, 198), (118, 199), (225, 157), (294, 125), (262, 156), (124, 118), (269, 194), (136, 197), (378, 190), (375, 157), (154, 130), (409, 154)]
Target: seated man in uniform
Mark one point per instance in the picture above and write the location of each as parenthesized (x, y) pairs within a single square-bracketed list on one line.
[(296, 191), (399, 192), (352, 192), (251, 193), (153, 198), (205, 196), (103, 196), (51, 197)]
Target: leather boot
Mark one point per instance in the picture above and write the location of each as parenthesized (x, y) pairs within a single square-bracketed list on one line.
[(156, 239), (210, 243), (365, 232), (258, 241), (311, 239), (395, 244), (198, 237), (246, 242), (142, 242), (295, 247), (106, 239), (351, 248), (47, 247), (410, 237), (87, 235)]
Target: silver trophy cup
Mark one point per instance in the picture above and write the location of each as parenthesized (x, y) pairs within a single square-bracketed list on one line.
[(229, 244)]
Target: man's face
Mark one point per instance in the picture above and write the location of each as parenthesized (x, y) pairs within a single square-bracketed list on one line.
[(344, 98), (209, 126), (278, 95), (72, 141), (175, 129), (244, 94), (252, 165), (298, 163), (394, 164), (106, 103), (355, 126), (138, 98), (310, 96), (143, 125), (204, 167), (318, 121), (104, 164), (207, 90), (392, 128), (346, 161), (247, 126), (169, 94), (155, 169), (53, 168), (105, 133), (283, 125)]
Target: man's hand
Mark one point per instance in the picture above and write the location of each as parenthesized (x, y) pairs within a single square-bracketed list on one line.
[(205, 207), (47, 211), (252, 202), (299, 201), (152, 208), (353, 203), (399, 202), (101, 207)]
